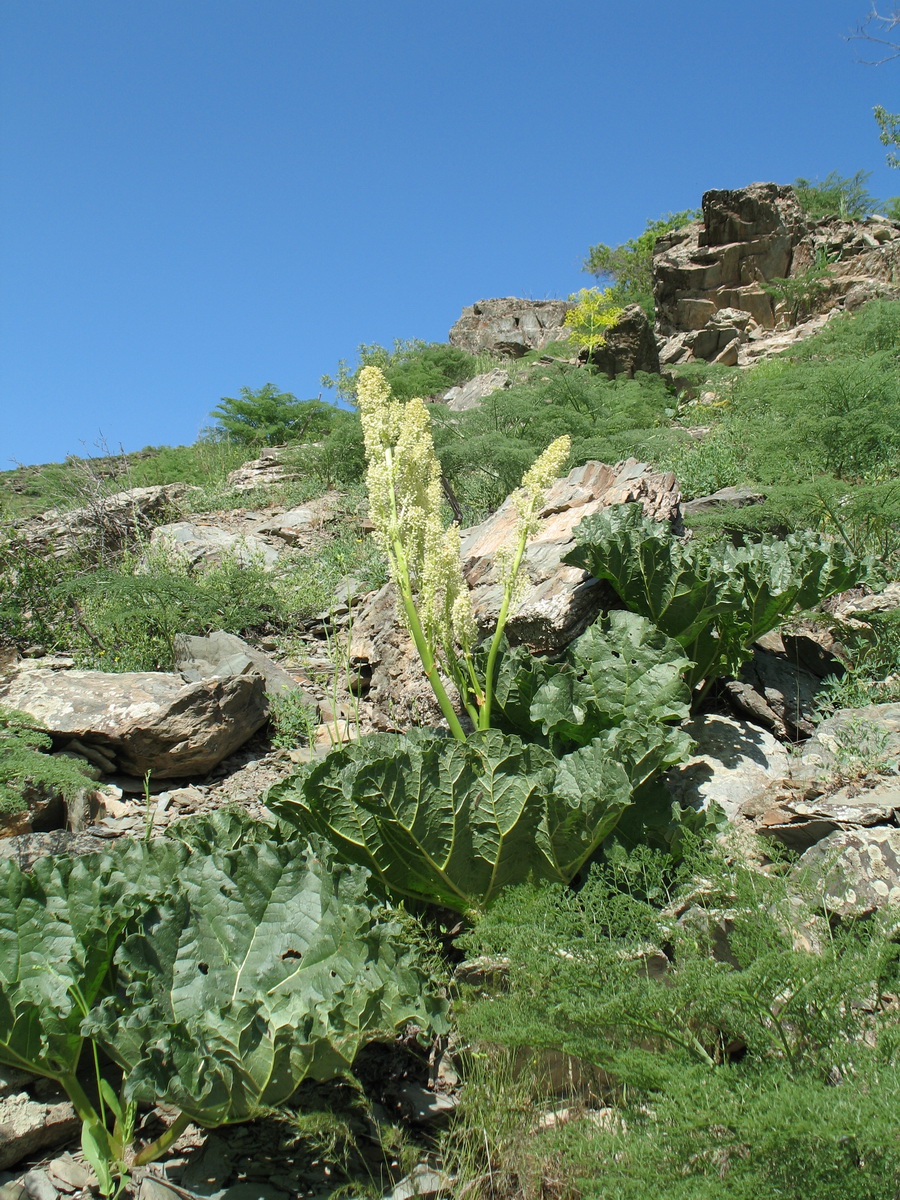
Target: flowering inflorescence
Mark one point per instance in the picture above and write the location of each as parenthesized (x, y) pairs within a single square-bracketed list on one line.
[(404, 486)]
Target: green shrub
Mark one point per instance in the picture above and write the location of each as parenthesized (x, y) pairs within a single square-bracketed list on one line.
[(739, 1061), (412, 368), (26, 771), (836, 196), (630, 265), (484, 451), (267, 417)]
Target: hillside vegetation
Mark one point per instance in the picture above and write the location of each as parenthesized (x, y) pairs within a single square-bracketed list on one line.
[(649, 1007)]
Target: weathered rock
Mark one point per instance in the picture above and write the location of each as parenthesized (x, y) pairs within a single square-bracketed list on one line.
[(557, 602), (26, 848), (270, 468), (733, 762), (857, 871), (27, 1126), (105, 526), (469, 395), (630, 346), (710, 277), (146, 722), (799, 823), (207, 544), (510, 326), (728, 497), (224, 654), (852, 743), (776, 692)]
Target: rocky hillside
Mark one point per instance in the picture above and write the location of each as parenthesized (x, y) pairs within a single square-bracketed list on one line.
[(298, 650)]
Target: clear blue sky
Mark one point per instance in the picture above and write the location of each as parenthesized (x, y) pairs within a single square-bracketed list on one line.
[(199, 195)]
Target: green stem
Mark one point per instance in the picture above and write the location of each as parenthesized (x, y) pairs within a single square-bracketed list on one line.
[(153, 1150), (79, 1098), (484, 721)]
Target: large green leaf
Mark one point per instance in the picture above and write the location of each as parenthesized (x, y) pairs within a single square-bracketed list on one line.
[(272, 963), (59, 928), (715, 602), (453, 823), (621, 670)]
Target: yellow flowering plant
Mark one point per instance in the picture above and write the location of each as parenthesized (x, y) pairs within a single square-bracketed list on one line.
[(404, 486), (594, 313)]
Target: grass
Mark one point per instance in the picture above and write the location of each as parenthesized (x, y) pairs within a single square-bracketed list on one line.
[(724, 1039)]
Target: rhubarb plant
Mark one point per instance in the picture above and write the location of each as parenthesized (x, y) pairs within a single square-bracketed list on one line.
[(217, 979), (453, 823), (404, 485), (715, 601)]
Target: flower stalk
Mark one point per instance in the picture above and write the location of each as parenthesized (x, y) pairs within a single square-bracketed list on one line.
[(404, 486)]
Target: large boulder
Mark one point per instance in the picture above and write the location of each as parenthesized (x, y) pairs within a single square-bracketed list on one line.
[(733, 762), (143, 721), (630, 346), (509, 326), (222, 654), (469, 395), (556, 603), (856, 870)]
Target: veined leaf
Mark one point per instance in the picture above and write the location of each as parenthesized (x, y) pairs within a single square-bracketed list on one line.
[(59, 928), (622, 670), (453, 823), (271, 964), (715, 602)]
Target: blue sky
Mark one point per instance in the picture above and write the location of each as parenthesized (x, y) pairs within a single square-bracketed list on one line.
[(200, 195)]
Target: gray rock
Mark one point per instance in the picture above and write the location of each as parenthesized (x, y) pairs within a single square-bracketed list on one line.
[(148, 721), (729, 497), (27, 1126), (107, 525), (733, 762), (207, 544), (798, 822), (26, 848), (222, 654), (510, 326), (269, 469), (857, 871), (852, 743), (469, 395), (421, 1181), (777, 693), (38, 1186)]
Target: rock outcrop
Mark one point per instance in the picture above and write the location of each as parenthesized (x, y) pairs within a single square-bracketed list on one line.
[(711, 277), (143, 722), (630, 346), (105, 526), (509, 326)]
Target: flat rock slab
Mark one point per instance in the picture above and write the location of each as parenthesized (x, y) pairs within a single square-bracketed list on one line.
[(853, 742), (27, 1126), (733, 763), (207, 544), (857, 871), (148, 721), (799, 823)]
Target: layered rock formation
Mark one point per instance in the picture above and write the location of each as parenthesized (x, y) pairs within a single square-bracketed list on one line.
[(510, 327), (711, 277)]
